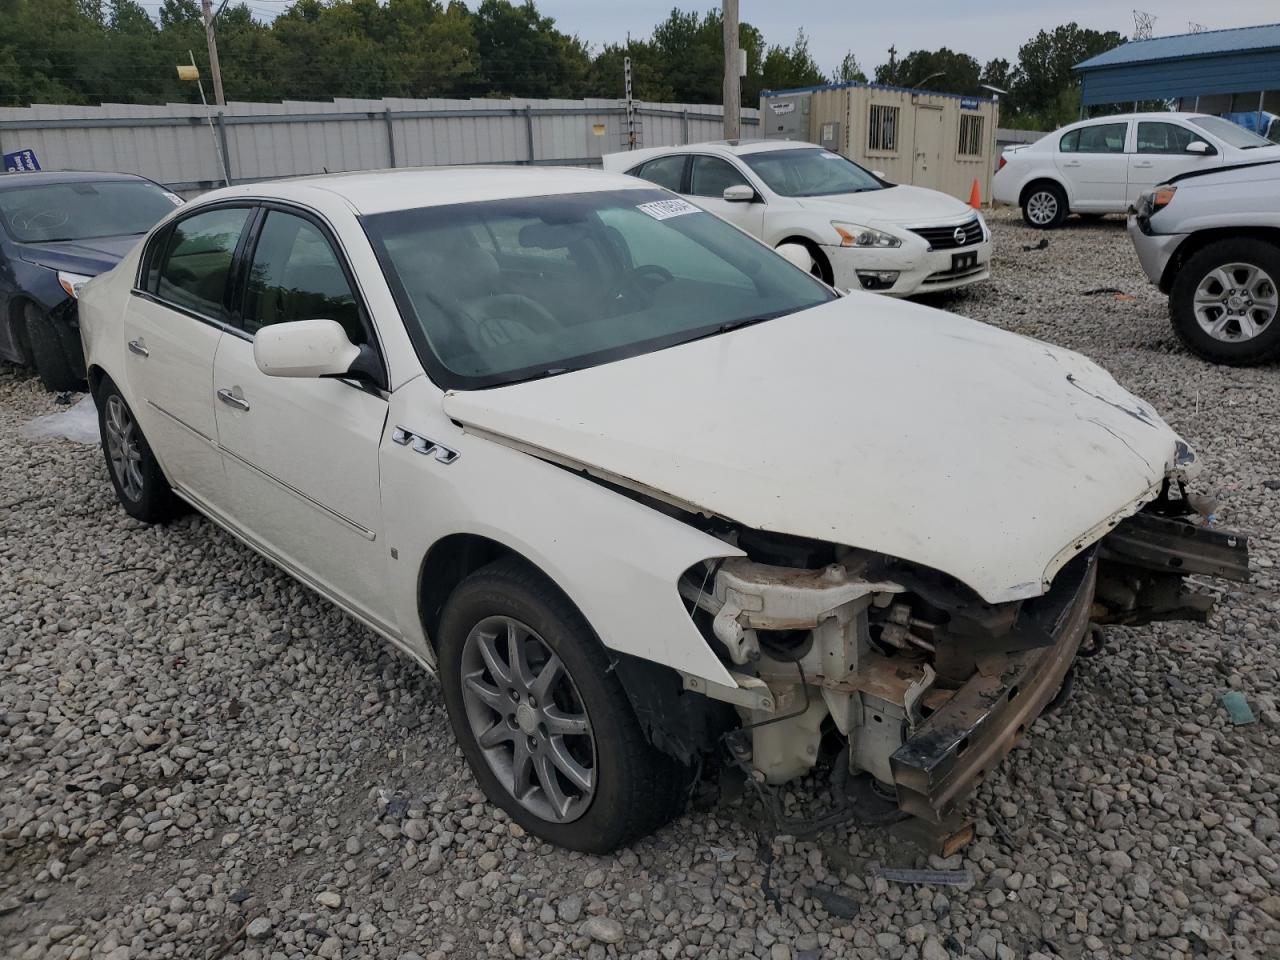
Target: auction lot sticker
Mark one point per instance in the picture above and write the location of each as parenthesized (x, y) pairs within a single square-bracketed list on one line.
[(666, 209)]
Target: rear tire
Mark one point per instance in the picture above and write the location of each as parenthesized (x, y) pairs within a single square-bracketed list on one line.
[(1224, 303), (1044, 206), (47, 354), (632, 787), (135, 473)]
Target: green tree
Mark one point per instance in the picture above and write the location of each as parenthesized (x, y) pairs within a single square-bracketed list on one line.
[(789, 67), (1044, 67), (521, 53), (848, 71), (942, 69)]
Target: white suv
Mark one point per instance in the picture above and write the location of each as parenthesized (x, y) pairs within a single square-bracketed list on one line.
[(1100, 166), (862, 232)]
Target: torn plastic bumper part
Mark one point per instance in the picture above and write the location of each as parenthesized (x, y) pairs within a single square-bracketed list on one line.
[(966, 737)]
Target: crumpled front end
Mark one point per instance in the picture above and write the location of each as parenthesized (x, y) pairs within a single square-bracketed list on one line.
[(908, 677)]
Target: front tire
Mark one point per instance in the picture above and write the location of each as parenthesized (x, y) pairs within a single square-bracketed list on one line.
[(1045, 206), (47, 354), (135, 473), (1224, 303), (544, 724)]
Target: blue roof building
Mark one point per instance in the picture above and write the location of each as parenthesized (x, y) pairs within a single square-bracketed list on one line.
[(1214, 71)]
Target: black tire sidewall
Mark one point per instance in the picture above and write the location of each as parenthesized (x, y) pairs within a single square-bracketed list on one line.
[(47, 354), (622, 756), (1059, 194), (1265, 346), (157, 502)]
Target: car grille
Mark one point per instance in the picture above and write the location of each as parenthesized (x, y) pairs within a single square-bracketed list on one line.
[(943, 238)]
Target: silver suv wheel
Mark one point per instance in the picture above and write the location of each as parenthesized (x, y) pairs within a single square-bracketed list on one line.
[(1236, 302)]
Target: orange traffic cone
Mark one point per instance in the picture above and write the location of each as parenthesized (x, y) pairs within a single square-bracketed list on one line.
[(975, 196)]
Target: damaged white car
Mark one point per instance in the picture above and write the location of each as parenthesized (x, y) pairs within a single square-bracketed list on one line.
[(647, 496)]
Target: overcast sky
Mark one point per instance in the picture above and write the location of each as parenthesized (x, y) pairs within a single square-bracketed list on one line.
[(981, 28)]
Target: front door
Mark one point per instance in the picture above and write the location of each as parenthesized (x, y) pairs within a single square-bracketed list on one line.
[(1161, 153), (708, 179), (927, 170), (174, 322), (302, 454)]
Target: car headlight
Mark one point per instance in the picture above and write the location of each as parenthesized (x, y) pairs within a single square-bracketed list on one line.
[(856, 235), (72, 282)]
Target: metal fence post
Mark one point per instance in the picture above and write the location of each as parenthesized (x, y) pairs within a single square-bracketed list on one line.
[(684, 125), (391, 136), (528, 129), (226, 154)]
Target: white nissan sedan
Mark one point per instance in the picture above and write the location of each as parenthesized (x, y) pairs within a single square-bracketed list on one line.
[(648, 497), (861, 231)]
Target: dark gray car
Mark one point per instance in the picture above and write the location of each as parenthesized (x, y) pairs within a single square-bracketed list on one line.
[(1211, 241)]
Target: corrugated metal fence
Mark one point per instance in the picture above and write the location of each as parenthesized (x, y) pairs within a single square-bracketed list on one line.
[(184, 147)]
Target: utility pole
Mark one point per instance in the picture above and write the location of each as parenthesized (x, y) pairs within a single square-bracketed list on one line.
[(732, 82), (214, 70)]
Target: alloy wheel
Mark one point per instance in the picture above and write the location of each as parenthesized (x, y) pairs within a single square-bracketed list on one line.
[(1042, 207), (527, 716), (1236, 302), (124, 448)]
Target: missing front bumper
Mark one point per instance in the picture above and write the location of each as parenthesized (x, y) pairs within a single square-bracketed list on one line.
[(962, 741)]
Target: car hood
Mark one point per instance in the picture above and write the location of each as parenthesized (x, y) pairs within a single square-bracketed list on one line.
[(899, 204), (868, 422), (88, 257)]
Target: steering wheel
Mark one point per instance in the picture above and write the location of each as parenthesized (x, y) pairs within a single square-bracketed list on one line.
[(630, 280)]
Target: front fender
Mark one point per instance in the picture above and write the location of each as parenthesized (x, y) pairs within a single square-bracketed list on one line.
[(616, 559)]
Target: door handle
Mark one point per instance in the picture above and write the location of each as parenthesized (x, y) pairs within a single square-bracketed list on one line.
[(230, 399), (1071, 163), (138, 347), (1144, 166)]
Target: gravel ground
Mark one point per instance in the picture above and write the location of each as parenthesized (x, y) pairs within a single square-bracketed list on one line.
[(203, 759)]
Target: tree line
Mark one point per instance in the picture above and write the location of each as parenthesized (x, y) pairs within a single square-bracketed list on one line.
[(89, 52)]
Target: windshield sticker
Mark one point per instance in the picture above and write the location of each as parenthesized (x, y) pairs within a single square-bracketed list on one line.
[(176, 200), (666, 209)]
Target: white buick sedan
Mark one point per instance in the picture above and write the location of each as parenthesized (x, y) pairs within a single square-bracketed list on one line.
[(861, 231), (645, 495)]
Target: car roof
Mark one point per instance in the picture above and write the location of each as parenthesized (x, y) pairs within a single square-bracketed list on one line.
[(1151, 115), (9, 181), (383, 191)]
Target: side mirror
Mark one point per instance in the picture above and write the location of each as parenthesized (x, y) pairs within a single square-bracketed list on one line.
[(739, 193), (1201, 148), (797, 254), (304, 348)]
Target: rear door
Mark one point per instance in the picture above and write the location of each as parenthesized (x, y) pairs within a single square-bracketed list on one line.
[(175, 320), (1093, 163), (1160, 152), (301, 455), (709, 177)]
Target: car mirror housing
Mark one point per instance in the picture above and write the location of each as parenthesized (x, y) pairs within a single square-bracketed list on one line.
[(304, 348), (739, 193), (797, 254), (1201, 148)]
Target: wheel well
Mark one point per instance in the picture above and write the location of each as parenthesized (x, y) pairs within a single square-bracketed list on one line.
[(815, 251), (449, 562), (1039, 182), (95, 377), (1202, 238)]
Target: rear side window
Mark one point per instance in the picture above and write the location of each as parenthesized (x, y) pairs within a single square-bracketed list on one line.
[(665, 172), (1102, 138), (712, 175), (296, 275), (1163, 138), (192, 272)]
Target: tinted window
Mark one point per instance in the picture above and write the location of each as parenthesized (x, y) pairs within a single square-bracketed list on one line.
[(197, 259), (1163, 138), (1101, 138), (80, 211), (665, 172), (639, 270), (296, 275), (711, 176)]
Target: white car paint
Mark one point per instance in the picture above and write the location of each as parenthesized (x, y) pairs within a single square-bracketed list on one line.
[(897, 210), (1107, 182)]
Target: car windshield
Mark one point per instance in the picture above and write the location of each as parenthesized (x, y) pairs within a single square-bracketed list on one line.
[(1230, 133), (810, 172), (508, 290), (82, 210)]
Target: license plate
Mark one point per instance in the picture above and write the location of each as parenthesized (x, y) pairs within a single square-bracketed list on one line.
[(964, 261)]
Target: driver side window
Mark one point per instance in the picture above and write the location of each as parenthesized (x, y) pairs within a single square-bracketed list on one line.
[(296, 275), (712, 175)]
